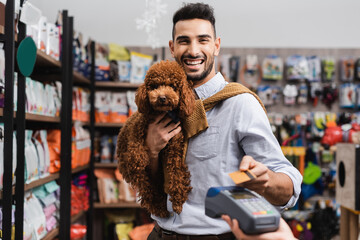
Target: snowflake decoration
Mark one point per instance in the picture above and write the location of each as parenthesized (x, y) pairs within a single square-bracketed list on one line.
[(150, 19)]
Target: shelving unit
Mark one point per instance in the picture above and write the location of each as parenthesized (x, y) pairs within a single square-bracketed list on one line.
[(105, 165), (109, 125), (121, 85), (117, 205), (46, 69)]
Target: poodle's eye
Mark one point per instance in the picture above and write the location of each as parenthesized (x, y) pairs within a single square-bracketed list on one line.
[(172, 86), (153, 86)]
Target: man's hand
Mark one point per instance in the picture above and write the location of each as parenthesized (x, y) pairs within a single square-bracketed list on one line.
[(159, 133), (277, 188), (283, 232)]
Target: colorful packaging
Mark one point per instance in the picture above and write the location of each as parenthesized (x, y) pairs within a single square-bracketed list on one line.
[(297, 68), (314, 68), (42, 34), (328, 69), (130, 95), (102, 108), (140, 63), (118, 107), (34, 215), (52, 45), (124, 71), (347, 68), (272, 67), (347, 98)]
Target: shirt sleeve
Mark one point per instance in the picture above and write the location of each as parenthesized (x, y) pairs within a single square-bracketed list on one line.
[(257, 140)]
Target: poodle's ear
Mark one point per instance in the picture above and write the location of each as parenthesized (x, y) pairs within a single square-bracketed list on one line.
[(187, 99), (142, 100)]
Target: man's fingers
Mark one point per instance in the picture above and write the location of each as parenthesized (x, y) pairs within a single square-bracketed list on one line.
[(174, 131), (246, 163)]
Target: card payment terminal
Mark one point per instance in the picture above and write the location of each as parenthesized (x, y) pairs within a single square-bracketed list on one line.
[(254, 214)]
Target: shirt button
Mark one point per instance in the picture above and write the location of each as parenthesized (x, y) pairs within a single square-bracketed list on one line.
[(171, 214)]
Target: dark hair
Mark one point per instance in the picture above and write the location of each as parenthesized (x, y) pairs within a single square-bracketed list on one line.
[(192, 11)]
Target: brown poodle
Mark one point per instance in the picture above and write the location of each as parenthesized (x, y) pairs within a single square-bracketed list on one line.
[(165, 89)]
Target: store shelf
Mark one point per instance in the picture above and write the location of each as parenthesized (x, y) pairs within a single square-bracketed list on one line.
[(117, 85), (42, 181), (117, 205), (35, 117), (109, 125), (105, 165), (79, 169), (41, 118), (44, 60), (76, 217), (80, 79), (51, 235)]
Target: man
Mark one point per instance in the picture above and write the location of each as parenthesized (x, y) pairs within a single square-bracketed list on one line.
[(238, 137)]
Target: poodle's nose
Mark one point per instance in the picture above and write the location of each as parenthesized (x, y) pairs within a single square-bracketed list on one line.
[(162, 99)]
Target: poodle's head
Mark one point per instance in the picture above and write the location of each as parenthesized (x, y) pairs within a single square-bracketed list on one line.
[(165, 88)]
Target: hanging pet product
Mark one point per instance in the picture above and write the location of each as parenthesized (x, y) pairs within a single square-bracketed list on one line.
[(297, 68), (272, 67), (315, 92), (303, 94), (265, 94), (329, 94), (290, 92), (357, 70), (251, 74), (347, 66), (228, 65), (328, 69), (314, 68), (347, 95)]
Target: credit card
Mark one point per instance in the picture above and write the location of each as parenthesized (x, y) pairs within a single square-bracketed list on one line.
[(242, 176)]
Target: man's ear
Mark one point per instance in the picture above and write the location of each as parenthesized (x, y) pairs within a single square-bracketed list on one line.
[(171, 46), (217, 46)]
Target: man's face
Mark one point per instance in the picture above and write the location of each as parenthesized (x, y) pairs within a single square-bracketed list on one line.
[(194, 48)]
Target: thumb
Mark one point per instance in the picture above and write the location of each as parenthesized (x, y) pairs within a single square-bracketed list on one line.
[(246, 163)]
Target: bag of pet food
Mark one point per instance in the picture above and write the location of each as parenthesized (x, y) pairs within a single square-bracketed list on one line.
[(124, 70), (102, 108), (34, 215), (140, 63), (31, 158), (118, 107), (130, 96), (54, 143)]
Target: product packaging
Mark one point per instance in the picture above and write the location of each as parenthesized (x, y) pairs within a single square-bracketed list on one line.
[(140, 63), (118, 107), (124, 70), (102, 108), (272, 67)]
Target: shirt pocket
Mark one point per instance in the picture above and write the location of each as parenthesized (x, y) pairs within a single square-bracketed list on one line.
[(206, 145)]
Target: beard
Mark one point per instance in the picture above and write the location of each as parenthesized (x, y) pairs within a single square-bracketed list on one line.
[(203, 74)]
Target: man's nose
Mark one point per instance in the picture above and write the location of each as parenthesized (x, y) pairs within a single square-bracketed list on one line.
[(194, 49)]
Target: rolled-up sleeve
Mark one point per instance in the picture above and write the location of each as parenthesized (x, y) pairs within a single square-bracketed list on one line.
[(258, 141)]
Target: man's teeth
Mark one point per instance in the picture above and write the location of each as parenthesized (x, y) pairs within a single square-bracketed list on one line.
[(194, 62)]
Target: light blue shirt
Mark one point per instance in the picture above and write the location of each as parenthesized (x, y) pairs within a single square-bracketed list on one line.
[(237, 126)]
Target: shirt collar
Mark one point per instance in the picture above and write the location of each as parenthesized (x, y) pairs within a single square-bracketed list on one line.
[(211, 87)]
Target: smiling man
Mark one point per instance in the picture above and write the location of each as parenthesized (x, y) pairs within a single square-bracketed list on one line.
[(238, 136)]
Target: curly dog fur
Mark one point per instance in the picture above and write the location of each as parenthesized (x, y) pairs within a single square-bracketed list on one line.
[(165, 88)]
